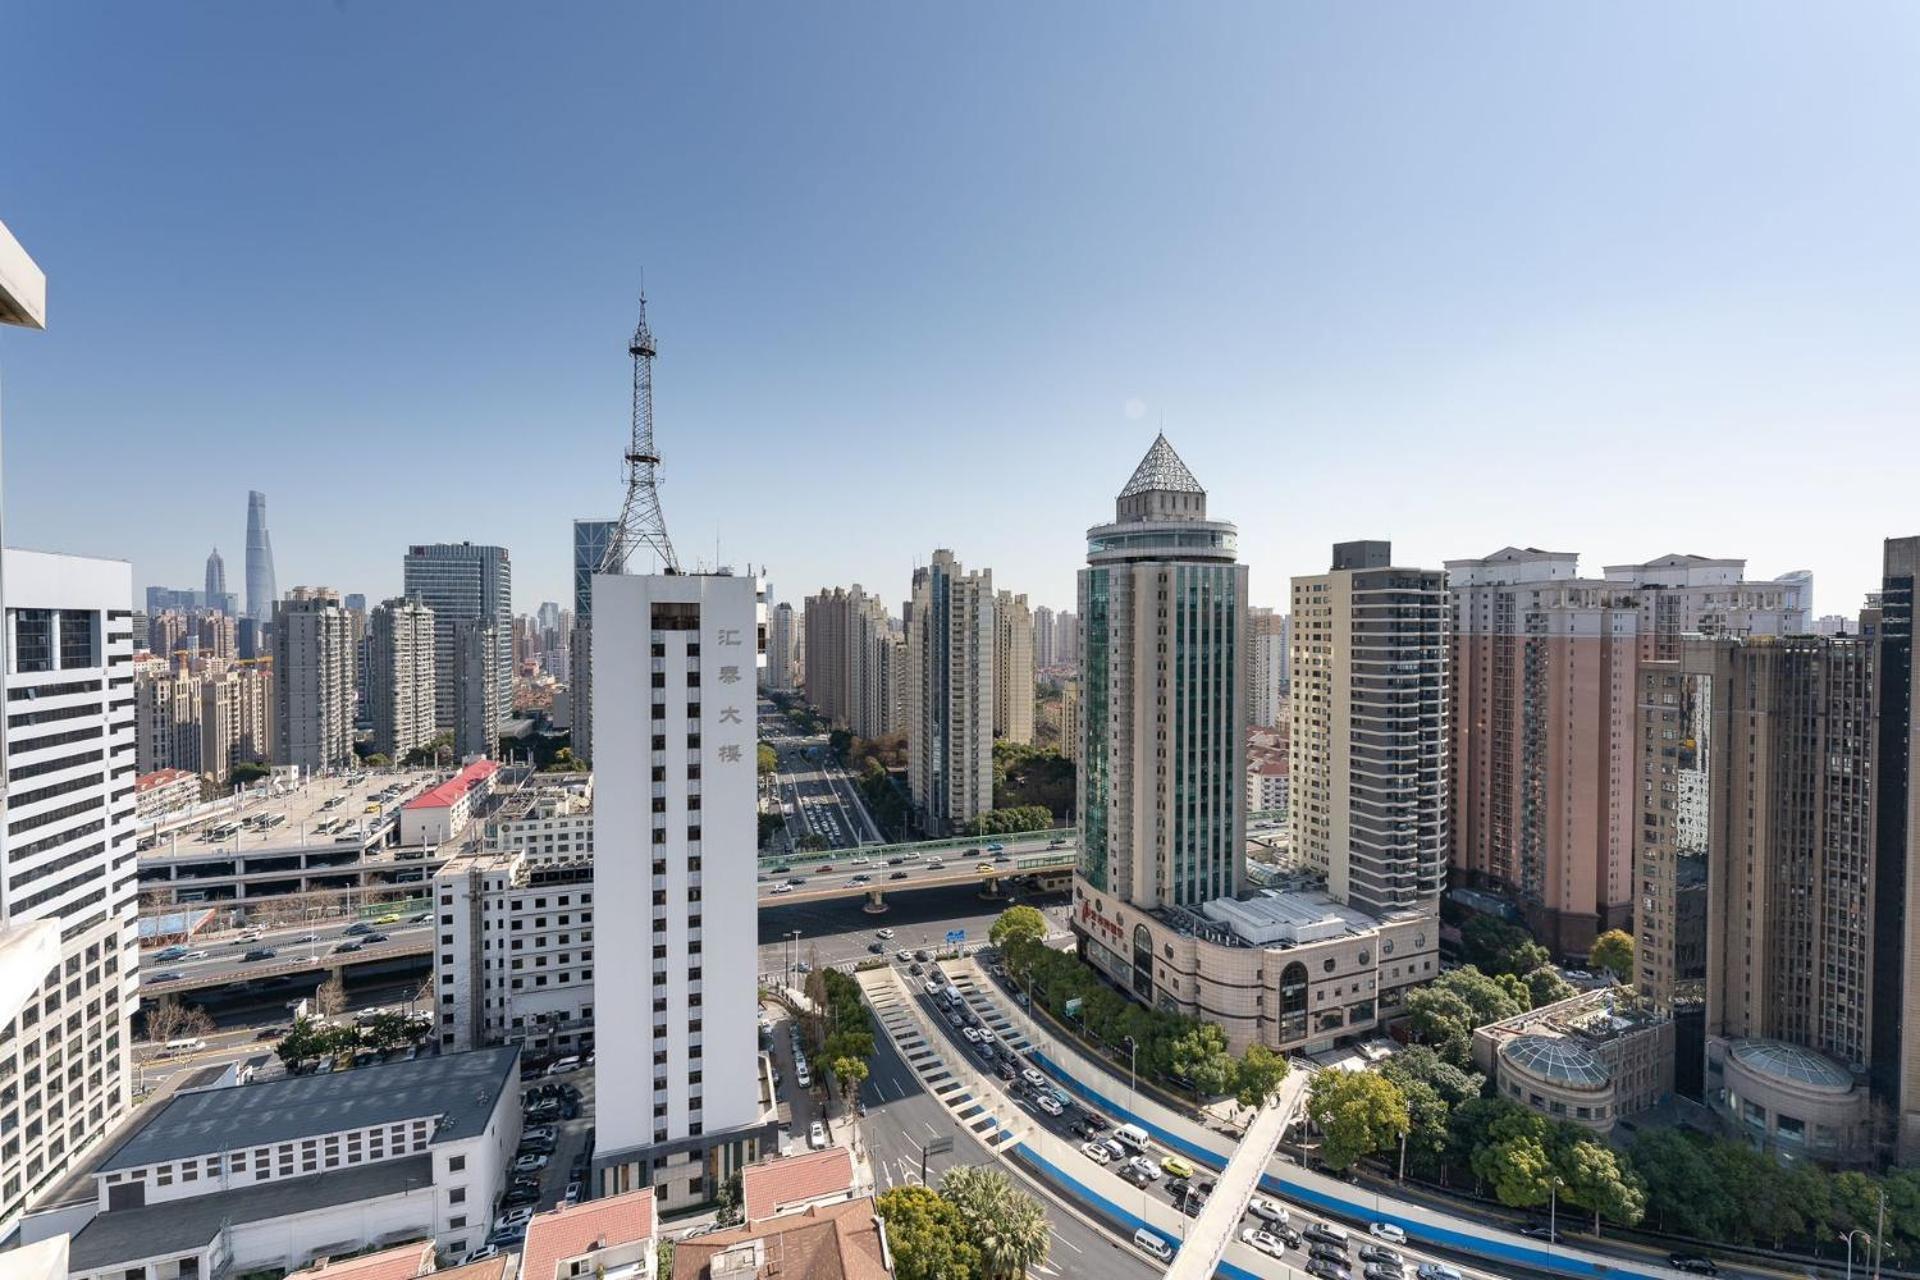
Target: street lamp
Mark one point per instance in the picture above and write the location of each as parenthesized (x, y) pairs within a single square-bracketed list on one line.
[(1848, 1237), (1553, 1208), (792, 957), (1133, 1070)]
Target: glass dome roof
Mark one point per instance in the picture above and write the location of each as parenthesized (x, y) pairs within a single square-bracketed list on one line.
[(1792, 1063), (1555, 1060)]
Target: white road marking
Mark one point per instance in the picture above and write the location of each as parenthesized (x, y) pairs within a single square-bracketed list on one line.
[(1063, 1240)]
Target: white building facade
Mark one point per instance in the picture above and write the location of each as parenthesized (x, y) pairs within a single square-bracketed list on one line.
[(69, 884), (675, 833)]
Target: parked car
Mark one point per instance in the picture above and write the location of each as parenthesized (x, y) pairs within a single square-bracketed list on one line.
[(1389, 1231), (816, 1135), (481, 1254), (883, 934), (575, 1190), (530, 1164), (1694, 1262), (514, 1218)]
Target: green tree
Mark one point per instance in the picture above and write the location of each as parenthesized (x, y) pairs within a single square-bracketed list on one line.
[(766, 758), (1358, 1113), (1200, 1056), (1518, 1170), (564, 761), (839, 742), (1258, 1076), (1613, 951), (248, 771), (929, 1238), (1594, 1177), (1005, 1224), (1497, 947), (1018, 929), (1442, 1018), (1545, 986), (377, 760), (1680, 1186)]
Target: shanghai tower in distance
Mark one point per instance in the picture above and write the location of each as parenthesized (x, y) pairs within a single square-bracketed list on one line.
[(260, 590)]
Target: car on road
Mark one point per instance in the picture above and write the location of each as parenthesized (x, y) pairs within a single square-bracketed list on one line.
[(883, 934), (904, 957), (898, 875), (1003, 857), (260, 953), (347, 947), (931, 987), (1007, 1069), (1541, 1231), (1048, 1103), (530, 1164), (796, 882), (373, 938), (1267, 1210), (1095, 1121), (973, 1037), (1265, 1243), (1382, 1271), (923, 956), (994, 846), (1327, 1253), (934, 864), (1696, 1263), (783, 869), (1144, 1167), (1177, 1167), (823, 868), (1379, 1253), (1321, 1233), (816, 1135), (170, 975), (1446, 1271), (861, 879), (1389, 1231), (1033, 1077), (1149, 1242), (195, 955), (1327, 1269), (360, 927), (569, 1063), (971, 853), (170, 953), (878, 948)]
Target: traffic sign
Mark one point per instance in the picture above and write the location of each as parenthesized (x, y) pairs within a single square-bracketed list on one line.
[(956, 935)]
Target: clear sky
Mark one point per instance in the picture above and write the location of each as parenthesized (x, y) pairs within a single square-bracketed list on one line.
[(1615, 278)]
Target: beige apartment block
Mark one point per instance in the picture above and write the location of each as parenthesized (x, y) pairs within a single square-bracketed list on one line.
[(1012, 668), (950, 696), (1543, 757)]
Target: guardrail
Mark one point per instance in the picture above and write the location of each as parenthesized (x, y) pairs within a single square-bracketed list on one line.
[(320, 965), (1071, 835)]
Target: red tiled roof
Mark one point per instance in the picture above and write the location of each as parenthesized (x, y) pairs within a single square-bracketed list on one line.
[(784, 1184), (575, 1229), (159, 778), (444, 795), (826, 1242), (401, 1263)]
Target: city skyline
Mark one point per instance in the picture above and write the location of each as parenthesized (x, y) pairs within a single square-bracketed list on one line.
[(1453, 260)]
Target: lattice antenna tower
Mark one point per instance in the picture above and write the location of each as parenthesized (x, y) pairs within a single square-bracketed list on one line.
[(642, 523)]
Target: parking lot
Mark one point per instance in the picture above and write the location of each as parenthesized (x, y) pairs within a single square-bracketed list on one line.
[(563, 1104)]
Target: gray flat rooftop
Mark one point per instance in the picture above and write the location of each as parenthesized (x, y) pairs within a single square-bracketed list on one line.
[(177, 1227), (462, 1087)]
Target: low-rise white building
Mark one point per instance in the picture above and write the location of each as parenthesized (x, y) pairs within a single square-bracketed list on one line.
[(1288, 967), (164, 791), (268, 1176), (441, 813), (552, 816), (513, 951)]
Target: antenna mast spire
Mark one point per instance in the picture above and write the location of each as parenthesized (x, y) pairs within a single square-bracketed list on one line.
[(642, 523)]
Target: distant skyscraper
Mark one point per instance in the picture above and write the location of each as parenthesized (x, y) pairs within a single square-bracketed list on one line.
[(591, 539), (1043, 651), (356, 602), (1066, 639), (313, 680), (1012, 668), (856, 675), (464, 582), (1162, 704), (950, 694), (261, 592), (477, 696), (1267, 652), (401, 677), (781, 646), (1368, 747), (216, 580)]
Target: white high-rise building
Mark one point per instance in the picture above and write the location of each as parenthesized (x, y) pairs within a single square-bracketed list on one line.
[(313, 666), (950, 694), (68, 952), (401, 677), (1369, 748), (1267, 651), (674, 831), (782, 644)]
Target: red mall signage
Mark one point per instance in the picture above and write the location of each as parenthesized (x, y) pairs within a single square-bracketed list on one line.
[(1092, 919)]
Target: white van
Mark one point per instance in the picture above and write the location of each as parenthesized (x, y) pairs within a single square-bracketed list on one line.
[(1132, 1136), (191, 1045), (1147, 1242)]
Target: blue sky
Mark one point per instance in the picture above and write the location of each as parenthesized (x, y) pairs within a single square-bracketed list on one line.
[(1620, 279)]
